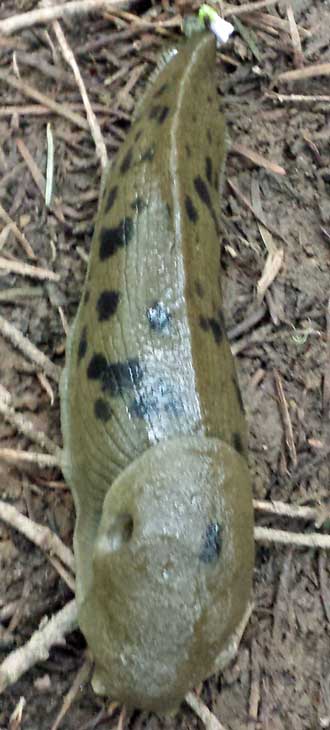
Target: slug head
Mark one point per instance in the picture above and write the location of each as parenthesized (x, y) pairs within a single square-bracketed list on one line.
[(172, 571)]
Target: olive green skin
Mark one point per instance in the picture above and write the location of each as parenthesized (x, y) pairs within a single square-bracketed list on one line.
[(152, 418)]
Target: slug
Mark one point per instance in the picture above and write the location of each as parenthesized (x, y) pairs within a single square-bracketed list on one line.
[(155, 445)]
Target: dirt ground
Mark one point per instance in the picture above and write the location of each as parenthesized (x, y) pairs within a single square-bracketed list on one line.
[(281, 676)]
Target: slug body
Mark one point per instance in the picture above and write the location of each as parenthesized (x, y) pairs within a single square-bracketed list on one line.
[(152, 417)]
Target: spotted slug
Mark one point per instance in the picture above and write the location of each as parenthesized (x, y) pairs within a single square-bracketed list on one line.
[(152, 416)]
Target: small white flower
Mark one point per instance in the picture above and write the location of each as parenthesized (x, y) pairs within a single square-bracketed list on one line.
[(221, 29)]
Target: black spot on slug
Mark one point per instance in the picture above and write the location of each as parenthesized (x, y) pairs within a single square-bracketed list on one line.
[(216, 330), (216, 327), (208, 169), (86, 297), (97, 366), (159, 317), (111, 239), (191, 210), (221, 320), (202, 190), (163, 114), (149, 154), (209, 136), (107, 304), (138, 204), (238, 393), (209, 99), (204, 195), (111, 197), (237, 443), (114, 377), (82, 347), (188, 150), (102, 410), (159, 113), (160, 91), (199, 289), (127, 161), (212, 543), (121, 376)]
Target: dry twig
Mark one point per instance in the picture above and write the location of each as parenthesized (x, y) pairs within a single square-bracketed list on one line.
[(80, 679), (326, 380), (93, 123), (231, 10), (208, 719), (27, 428), (40, 535), (61, 109), (38, 647), (29, 350), (14, 456), (294, 98), (62, 10), (247, 203), (317, 514), (286, 419), (256, 158), (17, 233), (298, 57), (309, 72), (35, 272), (266, 535)]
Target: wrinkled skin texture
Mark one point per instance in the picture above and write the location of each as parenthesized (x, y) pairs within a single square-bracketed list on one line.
[(152, 417)]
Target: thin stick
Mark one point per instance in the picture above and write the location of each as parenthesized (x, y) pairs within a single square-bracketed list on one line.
[(35, 272), (295, 37), (27, 428), (93, 123), (29, 91), (40, 535), (17, 233), (256, 158), (33, 167), (29, 457), (63, 572), (50, 167), (250, 321), (18, 294), (286, 419), (318, 515), (254, 699), (208, 719), (326, 380), (30, 351), (309, 72), (44, 15), (80, 679), (297, 539), (38, 647), (247, 203), (293, 98), (245, 8)]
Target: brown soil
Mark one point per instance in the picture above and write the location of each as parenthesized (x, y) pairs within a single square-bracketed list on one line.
[(285, 653)]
